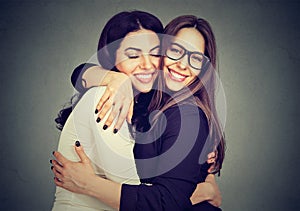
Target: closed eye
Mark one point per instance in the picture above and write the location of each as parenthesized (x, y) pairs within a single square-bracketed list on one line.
[(133, 53), (133, 56), (155, 52), (155, 55)]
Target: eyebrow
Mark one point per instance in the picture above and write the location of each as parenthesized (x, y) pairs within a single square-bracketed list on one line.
[(131, 48), (138, 49)]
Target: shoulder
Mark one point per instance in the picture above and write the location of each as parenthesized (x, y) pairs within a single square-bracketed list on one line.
[(90, 98), (94, 91), (93, 94)]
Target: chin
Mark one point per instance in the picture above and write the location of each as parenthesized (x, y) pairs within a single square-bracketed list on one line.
[(173, 87), (145, 90)]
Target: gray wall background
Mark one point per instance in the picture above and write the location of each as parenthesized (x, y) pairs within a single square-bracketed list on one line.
[(258, 43)]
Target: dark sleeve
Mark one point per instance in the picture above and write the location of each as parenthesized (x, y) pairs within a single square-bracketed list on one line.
[(204, 206), (76, 77), (176, 165)]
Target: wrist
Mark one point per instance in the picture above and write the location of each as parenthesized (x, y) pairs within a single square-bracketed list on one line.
[(89, 188), (111, 76)]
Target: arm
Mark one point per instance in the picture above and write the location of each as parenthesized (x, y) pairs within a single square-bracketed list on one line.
[(79, 177), (208, 190), (118, 95)]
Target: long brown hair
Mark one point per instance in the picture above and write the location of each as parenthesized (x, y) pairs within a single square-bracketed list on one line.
[(200, 92)]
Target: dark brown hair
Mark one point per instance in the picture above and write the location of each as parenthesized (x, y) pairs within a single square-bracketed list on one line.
[(117, 28), (111, 36)]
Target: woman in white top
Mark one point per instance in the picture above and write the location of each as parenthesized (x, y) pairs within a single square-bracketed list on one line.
[(111, 153)]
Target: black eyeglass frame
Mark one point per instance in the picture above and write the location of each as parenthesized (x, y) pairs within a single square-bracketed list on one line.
[(189, 53)]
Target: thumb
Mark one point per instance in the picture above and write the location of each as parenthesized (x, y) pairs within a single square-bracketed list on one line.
[(80, 152), (130, 113), (210, 178)]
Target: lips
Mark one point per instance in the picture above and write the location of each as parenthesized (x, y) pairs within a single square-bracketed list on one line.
[(176, 76), (144, 78)]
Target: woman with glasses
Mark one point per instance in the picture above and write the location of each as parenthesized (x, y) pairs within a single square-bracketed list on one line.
[(112, 189)]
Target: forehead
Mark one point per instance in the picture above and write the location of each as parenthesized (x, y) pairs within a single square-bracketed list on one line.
[(141, 39), (191, 39)]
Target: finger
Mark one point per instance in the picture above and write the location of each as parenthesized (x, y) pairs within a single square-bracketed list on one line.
[(57, 175), (58, 182), (106, 95), (122, 116), (211, 169), (57, 166), (212, 160), (130, 113), (113, 113), (105, 108), (80, 152), (60, 158), (211, 155)]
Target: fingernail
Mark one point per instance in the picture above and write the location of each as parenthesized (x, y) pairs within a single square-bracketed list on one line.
[(51, 167), (77, 144), (98, 120), (115, 130), (50, 161), (96, 111), (105, 127), (53, 152)]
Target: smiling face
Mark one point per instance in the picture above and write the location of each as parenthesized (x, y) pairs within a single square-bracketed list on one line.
[(138, 57), (179, 73)]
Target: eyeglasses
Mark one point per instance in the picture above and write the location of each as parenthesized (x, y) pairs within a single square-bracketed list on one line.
[(196, 59)]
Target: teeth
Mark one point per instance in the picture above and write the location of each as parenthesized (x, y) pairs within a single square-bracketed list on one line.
[(177, 75), (144, 76)]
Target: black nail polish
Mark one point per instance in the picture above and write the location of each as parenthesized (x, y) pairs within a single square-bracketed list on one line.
[(115, 131), (51, 167), (98, 120), (50, 161), (77, 144), (96, 111), (105, 127), (53, 152)]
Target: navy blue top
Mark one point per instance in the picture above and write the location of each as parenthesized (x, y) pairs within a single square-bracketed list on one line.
[(167, 157)]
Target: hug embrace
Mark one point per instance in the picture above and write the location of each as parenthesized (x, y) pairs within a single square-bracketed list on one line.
[(161, 142)]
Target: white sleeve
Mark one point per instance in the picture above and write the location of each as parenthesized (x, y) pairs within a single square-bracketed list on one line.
[(111, 154)]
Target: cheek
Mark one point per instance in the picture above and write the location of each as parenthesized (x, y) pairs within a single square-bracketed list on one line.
[(167, 62), (126, 67)]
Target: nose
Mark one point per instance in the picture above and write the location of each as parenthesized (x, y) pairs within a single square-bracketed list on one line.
[(183, 62), (146, 62)]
